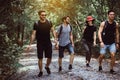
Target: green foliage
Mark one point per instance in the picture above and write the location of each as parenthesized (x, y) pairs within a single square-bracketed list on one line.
[(18, 16), (10, 53)]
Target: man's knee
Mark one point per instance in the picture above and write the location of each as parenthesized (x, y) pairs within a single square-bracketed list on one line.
[(72, 54), (112, 55), (101, 56)]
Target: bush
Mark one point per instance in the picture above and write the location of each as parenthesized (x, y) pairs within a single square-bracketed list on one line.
[(9, 56)]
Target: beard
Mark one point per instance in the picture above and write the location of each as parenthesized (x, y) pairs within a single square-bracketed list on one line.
[(67, 22), (43, 19)]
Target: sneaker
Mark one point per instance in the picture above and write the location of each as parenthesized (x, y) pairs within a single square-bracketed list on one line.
[(40, 74), (87, 65), (100, 68), (70, 67), (48, 70), (112, 71), (60, 68)]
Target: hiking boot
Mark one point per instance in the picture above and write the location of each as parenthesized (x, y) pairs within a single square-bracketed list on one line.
[(112, 71), (48, 70), (100, 68), (70, 67), (40, 74), (87, 65), (60, 68)]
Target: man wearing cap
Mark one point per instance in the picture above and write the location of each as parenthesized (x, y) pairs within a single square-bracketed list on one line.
[(89, 38)]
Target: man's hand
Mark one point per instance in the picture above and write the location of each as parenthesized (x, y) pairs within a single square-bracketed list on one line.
[(73, 44), (56, 46), (117, 46), (28, 49), (94, 44), (101, 44)]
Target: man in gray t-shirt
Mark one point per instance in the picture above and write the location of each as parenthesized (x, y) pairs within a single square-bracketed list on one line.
[(65, 41)]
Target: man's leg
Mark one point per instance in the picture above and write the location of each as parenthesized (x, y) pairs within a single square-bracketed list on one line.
[(47, 65), (112, 61), (60, 61), (71, 58), (100, 58), (112, 49), (61, 52), (40, 58), (60, 64), (48, 62), (40, 67), (71, 61), (71, 51), (48, 55), (40, 64)]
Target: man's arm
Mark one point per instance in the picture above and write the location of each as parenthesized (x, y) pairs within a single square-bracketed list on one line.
[(32, 37), (117, 33), (99, 34), (100, 31), (71, 39), (31, 40), (54, 33)]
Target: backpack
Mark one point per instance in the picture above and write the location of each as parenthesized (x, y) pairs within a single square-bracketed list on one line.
[(61, 27), (49, 22), (105, 25)]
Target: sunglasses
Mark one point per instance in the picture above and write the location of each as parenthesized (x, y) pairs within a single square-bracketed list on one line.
[(43, 15)]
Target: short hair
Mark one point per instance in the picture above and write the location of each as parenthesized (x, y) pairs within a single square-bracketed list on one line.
[(110, 11), (64, 18), (39, 12)]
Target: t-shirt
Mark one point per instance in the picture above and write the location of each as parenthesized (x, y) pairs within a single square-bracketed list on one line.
[(89, 33), (64, 37), (42, 31)]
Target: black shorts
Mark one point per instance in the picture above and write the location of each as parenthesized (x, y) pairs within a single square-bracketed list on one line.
[(44, 49), (69, 47)]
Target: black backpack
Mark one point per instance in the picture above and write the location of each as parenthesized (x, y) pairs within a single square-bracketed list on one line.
[(49, 22), (61, 27), (105, 25)]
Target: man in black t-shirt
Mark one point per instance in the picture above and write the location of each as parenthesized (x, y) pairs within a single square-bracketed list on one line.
[(41, 31)]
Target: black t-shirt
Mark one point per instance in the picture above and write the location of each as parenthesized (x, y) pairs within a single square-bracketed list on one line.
[(89, 33), (43, 31)]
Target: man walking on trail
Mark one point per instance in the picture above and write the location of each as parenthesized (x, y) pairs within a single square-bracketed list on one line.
[(41, 30), (65, 41), (109, 38)]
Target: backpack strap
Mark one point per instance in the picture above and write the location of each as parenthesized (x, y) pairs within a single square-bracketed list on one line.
[(105, 25), (70, 28), (61, 27), (49, 22)]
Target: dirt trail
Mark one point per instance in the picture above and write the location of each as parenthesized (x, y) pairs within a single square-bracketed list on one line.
[(29, 70)]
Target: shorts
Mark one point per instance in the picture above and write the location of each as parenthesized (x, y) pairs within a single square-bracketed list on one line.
[(69, 47), (111, 47), (44, 49)]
